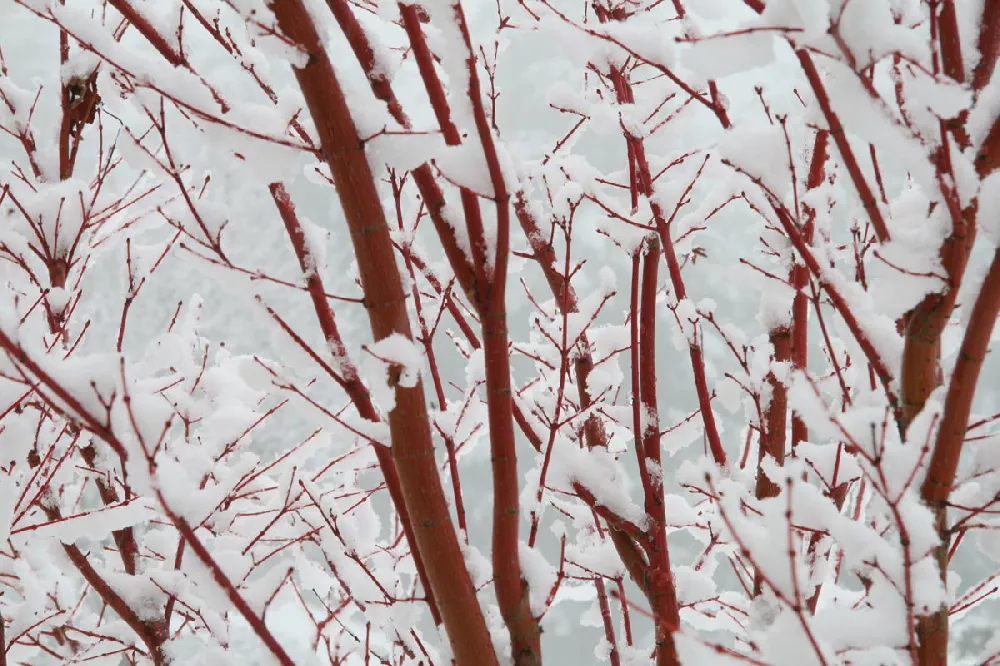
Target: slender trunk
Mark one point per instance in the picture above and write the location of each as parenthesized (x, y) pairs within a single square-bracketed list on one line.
[(409, 424), (933, 629), (800, 280), (662, 593), (350, 381), (789, 344), (774, 436)]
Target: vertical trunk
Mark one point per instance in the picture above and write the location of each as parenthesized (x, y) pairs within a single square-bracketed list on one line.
[(774, 435), (662, 592), (509, 583), (789, 344), (409, 425), (933, 629), (800, 280), (351, 381)]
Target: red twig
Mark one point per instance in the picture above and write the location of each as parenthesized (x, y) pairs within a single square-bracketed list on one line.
[(409, 422), (350, 380)]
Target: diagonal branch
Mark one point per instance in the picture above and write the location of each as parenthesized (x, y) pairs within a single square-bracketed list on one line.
[(350, 381), (409, 422)]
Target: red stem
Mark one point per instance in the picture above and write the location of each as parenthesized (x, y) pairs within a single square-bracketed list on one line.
[(637, 433), (795, 236), (609, 628), (868, 200), (623, 91), (351, 382), (152, 634), (988, 45), (148, 32), (950, 42), (382, 88), (472, 277), (800, 279), (864, 191), (511, 588), (937, 487), (222, 580), (363, 51), (662, 593), (409, 423)]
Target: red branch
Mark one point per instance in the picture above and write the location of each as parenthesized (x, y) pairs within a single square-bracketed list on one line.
[(351, 381), (937, 487), (511, 588), (148, 32), (662, 593), (409, 422), (868, 200)]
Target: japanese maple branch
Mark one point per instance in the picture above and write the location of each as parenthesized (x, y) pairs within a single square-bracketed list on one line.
[(644, 183), (78, 100), (148, 32), (864, 190), (75, 410), (409, 422), (511, 587), (350, 380), (544, 254), (800, 279), (430, 191), (790, 343), (427, 340), (940, 480), (988, 46), (604, 15), (662, 592), (152, 634), (795, 236), (840, 139)]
